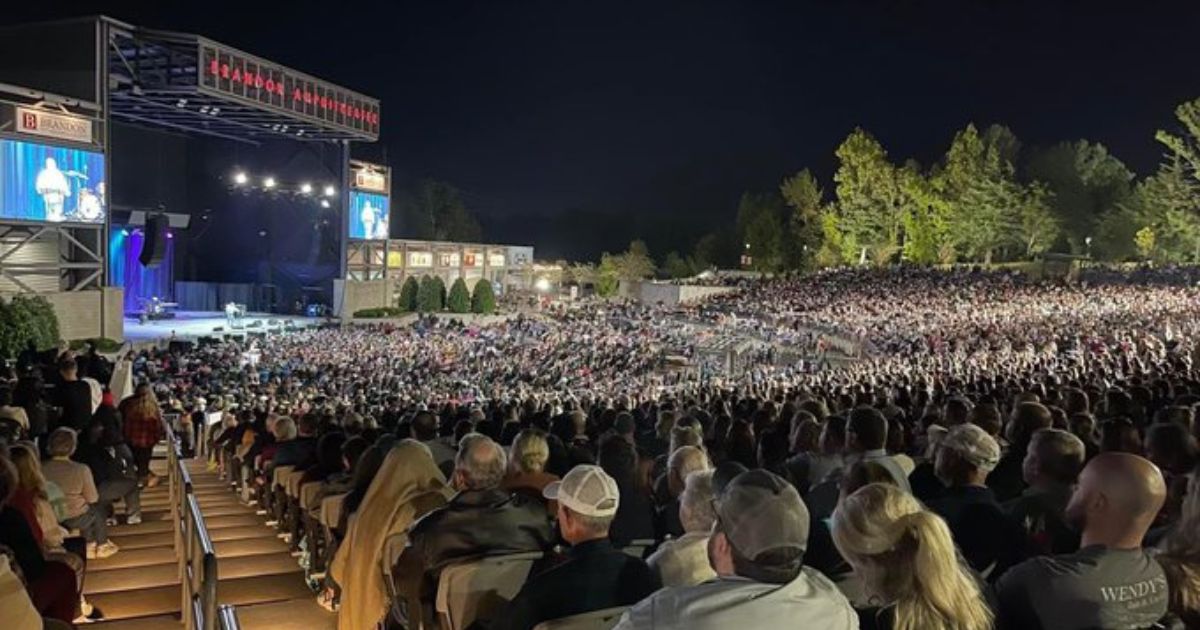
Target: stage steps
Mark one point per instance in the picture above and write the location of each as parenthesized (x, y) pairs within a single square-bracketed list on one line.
[(138, 588)]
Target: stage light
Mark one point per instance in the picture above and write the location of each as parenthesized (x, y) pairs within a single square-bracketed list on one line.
[(240, 178), (306, 188), (269, 182), (262, 232), (542, 285), (324, 203), (124, 232), (330, 191), (170, 235)]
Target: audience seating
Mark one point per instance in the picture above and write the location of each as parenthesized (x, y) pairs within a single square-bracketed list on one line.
[(596, 620), (478, 589), (637, 548)]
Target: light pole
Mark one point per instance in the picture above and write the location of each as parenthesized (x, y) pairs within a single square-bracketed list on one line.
[(1088, 241)]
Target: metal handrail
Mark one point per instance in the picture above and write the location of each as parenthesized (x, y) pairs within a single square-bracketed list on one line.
[(197, 557), (229, 618)]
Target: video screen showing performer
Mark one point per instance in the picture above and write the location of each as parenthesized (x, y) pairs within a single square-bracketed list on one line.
[(369, 216), (39, 182)]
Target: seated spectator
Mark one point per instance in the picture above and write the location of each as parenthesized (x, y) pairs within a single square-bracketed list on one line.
[(990, 542), (425, 430), (682, 462), (905, 557), (408, 486), (51, 585), (8, 411), (1120, 435), (1052, 465), (330, 460), (1111, 582), (482, 519), (1180, 560), (866, 434), (683, 561), (301, 450), (1007, 481), (757, 550), (527, 463), (635, 514), (113, 470), (83, 511), (595, 575)]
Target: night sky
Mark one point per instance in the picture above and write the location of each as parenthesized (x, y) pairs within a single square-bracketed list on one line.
[(659, 114)]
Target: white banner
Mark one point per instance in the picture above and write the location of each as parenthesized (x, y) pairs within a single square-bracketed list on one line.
[(49, 124)]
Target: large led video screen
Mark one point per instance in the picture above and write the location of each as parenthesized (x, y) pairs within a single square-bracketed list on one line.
[(39, 182), (368, 216)]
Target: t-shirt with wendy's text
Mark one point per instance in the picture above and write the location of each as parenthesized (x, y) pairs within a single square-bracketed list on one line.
[(1095, 587)]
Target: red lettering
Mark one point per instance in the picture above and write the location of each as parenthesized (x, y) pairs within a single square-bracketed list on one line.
[(279, 89), (214, 67), (224, 71), (270, 86), (308, 99), (237, 75), (258, 81), (296, 95)]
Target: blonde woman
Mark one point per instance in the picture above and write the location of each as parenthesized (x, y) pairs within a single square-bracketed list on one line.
[(1180, 560), (906, 559)]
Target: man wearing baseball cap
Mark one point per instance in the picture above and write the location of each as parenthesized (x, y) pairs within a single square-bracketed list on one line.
[(757, 550), (988, 538), (596, 574)]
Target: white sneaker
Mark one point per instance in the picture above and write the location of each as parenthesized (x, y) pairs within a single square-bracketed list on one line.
[(103, 551), (133, 519), (272, 523)]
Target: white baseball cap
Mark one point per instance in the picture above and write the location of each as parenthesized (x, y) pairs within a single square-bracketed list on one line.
[(586, 490)]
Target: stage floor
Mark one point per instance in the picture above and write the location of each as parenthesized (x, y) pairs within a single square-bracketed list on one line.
[(191, 325)]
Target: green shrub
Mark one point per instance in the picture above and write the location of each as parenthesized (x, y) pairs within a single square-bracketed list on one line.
[(27, 320), (459, 300), (376, 313), (408, 295), (431, 297), (103, 344), (483, 300)]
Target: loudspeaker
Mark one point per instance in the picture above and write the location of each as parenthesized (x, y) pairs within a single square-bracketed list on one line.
[(154, 247)]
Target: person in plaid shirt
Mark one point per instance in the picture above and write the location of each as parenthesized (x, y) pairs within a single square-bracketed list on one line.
[(143, 428)]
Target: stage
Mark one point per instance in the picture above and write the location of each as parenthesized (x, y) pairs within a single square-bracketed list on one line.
[(191, 325)]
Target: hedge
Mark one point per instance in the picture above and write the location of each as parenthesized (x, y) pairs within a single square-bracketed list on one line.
[(27, 320), (483, 300), (459, 300), (407, 300), (374, 313)]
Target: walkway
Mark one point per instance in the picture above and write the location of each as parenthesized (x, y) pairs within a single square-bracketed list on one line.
[(138, 588)]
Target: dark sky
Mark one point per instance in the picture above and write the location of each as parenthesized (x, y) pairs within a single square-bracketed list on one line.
[(661, 113)]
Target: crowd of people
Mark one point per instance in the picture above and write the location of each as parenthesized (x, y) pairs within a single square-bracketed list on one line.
[(1009, 454)]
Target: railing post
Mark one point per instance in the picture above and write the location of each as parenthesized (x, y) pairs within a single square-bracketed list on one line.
[(209, 591)]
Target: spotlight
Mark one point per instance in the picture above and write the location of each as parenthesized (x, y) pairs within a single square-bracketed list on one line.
[(269, 182), (170, 235), (306, 188), (262, 232), (124, 231), (330, 191), (240, 178), (324, 203)]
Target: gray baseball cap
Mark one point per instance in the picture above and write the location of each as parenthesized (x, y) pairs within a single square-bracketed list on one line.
[(974, 445), (759, 512)]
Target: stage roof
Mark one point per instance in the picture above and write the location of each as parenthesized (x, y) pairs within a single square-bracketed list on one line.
[(188, 83)]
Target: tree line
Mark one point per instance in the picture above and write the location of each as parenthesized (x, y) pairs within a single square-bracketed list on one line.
[(986, 200)]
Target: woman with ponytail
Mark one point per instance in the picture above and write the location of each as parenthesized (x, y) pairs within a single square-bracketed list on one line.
[(907, 561)]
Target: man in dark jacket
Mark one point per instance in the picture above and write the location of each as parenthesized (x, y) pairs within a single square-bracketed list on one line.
[(1052, 466), (596, 575), (481, 520)]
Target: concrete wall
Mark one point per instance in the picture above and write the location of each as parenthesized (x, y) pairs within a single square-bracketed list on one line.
[(671, 294), (355, 295), (88, 314)]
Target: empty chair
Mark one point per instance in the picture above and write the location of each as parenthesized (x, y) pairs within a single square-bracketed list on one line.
[(596, 620)]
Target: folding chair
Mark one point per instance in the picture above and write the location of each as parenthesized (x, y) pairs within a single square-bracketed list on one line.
[(480, 588)]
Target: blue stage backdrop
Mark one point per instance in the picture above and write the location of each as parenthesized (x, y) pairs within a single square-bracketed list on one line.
[(368, 215), (140, 283)]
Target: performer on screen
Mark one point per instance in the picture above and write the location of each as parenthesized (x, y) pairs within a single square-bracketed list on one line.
[(231, 313), (368, 216), (381, 226), (52, 185)]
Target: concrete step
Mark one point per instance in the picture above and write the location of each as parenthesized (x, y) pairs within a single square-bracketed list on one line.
[(304, 614), (165, 600), (131, 578)]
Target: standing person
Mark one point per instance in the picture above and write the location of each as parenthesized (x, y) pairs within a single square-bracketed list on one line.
[(143, 427), (74, 396), (596, 574), (905, 558), (757, 550), (1111, 582)]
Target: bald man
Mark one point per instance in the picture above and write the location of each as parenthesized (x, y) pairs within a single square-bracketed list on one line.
[(1111, 582)]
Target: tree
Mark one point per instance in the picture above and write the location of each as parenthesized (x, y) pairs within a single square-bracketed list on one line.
[(871, 204), (459, 300), (483, 299), (981, 199), (1039, 227), (926, 233), (832, 252), (430, 295), (608, 276), (636, 263), (677, 266), (408, 295), (1144, 239), (715, 249), (804, 196), (1185, 148), (1168, 202), (437, 212), (760, 228), (1087, 183)]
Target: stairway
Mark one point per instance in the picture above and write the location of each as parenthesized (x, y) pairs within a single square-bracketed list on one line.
[(139, 589)]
